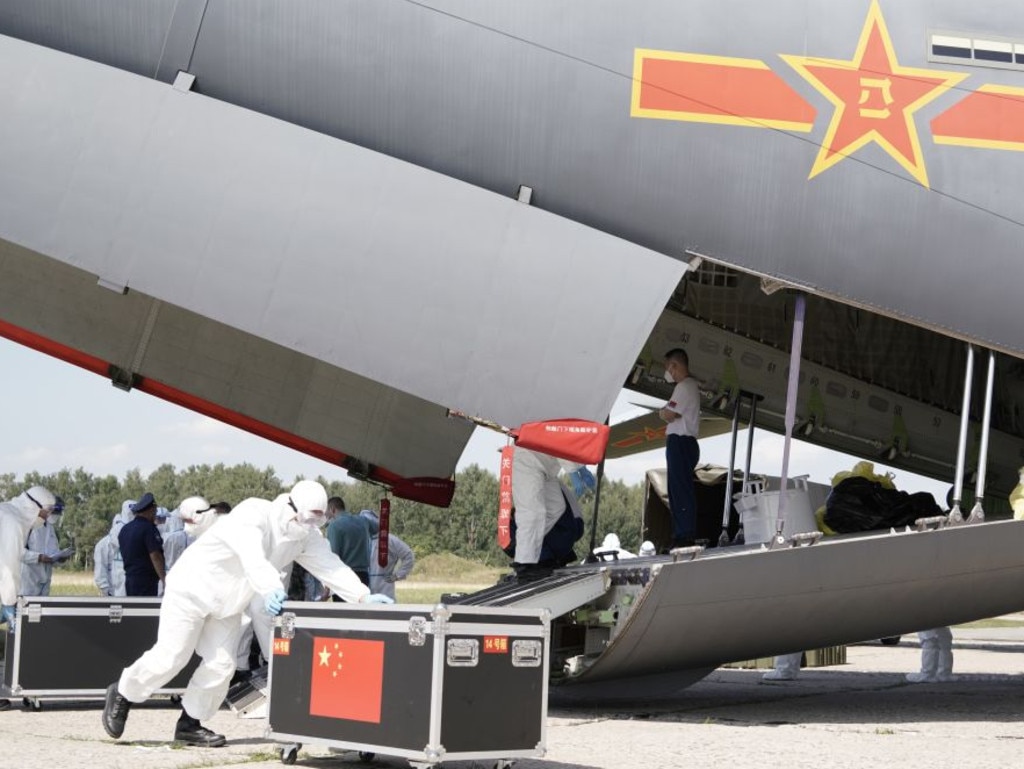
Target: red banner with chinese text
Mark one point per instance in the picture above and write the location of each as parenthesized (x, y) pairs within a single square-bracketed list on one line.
[(382, 534), (505, 498), (574, 439)]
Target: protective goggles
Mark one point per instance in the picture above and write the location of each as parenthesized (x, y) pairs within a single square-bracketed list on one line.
[(57, 508)]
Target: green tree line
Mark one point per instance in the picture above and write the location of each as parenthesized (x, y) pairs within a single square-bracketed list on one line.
[(467, 528)]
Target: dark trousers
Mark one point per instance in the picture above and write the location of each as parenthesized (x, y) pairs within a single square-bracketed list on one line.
[(141, 586), (682, 452), (364, 577)]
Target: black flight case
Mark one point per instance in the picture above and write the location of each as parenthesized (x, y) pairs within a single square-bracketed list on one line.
[(425, 683), (74, 647)]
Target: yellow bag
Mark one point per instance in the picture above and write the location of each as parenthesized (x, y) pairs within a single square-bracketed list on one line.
[(1017, 498), (865, 469), (823, 527)]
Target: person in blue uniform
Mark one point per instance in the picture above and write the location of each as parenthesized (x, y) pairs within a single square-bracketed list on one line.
[(142, 550)]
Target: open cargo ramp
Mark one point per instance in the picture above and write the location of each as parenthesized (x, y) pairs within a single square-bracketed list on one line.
[(761, 602)]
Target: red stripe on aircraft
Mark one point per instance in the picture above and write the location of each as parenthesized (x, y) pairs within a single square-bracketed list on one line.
[(992, 117), (54, 349), (721, 90), (192, 402)]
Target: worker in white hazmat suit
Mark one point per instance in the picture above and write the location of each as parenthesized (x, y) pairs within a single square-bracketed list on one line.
[(209, 588), (539, 500), (401, 559), (936, 657), (108, 567), (611, 549), (646, 549), (17, 518), (42, 551), (196, 515)]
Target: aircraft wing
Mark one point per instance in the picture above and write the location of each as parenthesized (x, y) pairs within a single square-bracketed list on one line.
[(647, 432)]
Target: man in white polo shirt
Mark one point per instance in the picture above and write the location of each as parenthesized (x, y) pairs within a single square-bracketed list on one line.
[(682, 414)]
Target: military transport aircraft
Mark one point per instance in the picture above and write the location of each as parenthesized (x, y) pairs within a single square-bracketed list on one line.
[(329, 222)]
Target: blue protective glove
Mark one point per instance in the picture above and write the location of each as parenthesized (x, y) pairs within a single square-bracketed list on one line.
[(9, 613), (273, 602), (377, 598), (582, 481)]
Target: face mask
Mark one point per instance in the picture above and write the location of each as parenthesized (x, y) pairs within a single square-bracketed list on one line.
[(38, 523), (191, 529), (669, 378), (54, 520)]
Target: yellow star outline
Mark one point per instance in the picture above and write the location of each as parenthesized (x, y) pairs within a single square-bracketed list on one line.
[(636, 437), (324, 655), (940, 82)]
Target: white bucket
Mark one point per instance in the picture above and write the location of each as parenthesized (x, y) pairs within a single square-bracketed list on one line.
[(760, 513), (745, 503)]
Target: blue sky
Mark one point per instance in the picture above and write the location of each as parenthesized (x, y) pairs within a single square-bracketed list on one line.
[(58, 415)]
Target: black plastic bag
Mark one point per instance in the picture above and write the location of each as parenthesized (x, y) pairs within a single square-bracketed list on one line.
[(859, 504)]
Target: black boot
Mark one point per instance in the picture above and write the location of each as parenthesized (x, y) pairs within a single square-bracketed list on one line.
[(191, 732), (115, 712), (531, 572)]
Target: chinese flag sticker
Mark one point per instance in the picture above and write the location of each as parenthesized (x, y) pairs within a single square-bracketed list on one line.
[(347, 679)]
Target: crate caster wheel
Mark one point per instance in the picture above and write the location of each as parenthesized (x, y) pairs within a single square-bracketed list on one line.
[(366, 757), (503, 764), (32, 704), (289, 753), (175, 699)]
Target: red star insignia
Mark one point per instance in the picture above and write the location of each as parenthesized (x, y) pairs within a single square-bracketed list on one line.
[(875, 99)]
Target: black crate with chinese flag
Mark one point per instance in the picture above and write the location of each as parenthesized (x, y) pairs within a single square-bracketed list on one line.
[(426, 683)]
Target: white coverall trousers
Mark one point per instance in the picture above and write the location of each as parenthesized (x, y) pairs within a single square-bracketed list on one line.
[(936, 657), (255, 622), (183, 628), (787, 667), (537, 495)]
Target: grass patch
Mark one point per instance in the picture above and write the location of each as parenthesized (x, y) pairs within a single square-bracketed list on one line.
[(427, 595), (451, 569), (433, 575), (67, 582)]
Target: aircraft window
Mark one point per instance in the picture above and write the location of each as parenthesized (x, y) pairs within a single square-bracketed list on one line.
[(990, 51), (959, 47)]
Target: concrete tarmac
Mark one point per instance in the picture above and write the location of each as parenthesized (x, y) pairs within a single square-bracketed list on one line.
[(856, 715)]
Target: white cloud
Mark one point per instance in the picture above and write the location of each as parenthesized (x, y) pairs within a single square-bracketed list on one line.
[(107, 459), (198, 427)]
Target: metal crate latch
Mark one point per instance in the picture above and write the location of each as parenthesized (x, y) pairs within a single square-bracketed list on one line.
[(527, 653), (34, 612), (417, 631), (114, 614), (287, 624), (463, 652)]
